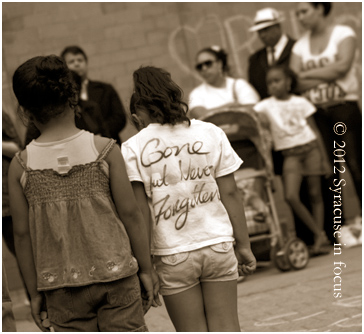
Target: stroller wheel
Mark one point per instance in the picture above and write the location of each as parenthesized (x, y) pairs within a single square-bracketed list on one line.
[(277, 256), (296, 254)]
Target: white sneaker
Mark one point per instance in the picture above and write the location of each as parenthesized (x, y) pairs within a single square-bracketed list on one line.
[(347, 239)]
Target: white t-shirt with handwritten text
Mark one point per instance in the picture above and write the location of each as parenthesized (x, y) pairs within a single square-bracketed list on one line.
[(288, 120), (342, 89), (178, 166)]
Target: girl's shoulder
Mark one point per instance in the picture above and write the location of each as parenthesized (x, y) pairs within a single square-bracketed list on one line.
[(198, 126), (101, 142), (301, 103), (299, 99), (19, 163)]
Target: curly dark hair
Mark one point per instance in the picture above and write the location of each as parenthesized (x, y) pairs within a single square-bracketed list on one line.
[(156, 92), (219, 54), (43, 86), (288, 73)]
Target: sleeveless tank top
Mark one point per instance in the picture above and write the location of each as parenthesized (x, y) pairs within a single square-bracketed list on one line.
[(63, 154), (77, 236)]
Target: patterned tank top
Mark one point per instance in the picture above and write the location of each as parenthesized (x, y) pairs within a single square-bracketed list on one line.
[(77, 236)]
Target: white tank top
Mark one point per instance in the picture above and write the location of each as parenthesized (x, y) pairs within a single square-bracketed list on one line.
[(61, 155)]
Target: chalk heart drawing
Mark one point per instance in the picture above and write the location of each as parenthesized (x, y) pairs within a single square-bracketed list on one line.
[(232, 35)]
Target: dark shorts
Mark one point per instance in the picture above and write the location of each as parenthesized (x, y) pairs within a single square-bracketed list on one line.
[(107, 307), (304, 159)]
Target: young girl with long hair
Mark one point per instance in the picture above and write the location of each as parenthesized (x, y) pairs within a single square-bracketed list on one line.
[(182, 172), (295, 134)]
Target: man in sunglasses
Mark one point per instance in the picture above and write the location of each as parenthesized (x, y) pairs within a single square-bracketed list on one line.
[(277, 48)]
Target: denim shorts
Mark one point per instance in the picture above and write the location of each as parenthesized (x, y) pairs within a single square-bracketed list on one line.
[(107, 307), (182, 271), (304, 159)]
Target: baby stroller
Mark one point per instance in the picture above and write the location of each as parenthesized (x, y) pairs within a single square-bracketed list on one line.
[(255, 180)]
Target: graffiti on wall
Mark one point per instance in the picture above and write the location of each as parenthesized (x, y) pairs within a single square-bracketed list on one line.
[(233, 35)]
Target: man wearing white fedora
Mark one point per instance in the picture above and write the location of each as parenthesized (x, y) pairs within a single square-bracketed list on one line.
[(277, 47)]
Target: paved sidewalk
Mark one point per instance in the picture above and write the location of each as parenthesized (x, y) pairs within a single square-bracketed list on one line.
[(272, 301)]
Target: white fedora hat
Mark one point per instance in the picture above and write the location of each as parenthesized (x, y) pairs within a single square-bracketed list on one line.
[(266, 17)]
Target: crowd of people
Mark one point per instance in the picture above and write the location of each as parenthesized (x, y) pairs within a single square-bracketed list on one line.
[(101, 228)]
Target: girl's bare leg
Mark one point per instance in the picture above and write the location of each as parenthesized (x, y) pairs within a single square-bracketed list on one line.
[(292, 184), (221, 306), (317, 204), (186, 310)]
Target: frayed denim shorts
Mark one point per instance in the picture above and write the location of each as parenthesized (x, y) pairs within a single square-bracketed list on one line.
[(182, 271)]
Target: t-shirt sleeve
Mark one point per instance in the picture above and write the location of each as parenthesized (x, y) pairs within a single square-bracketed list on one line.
[(246, 92), (307, 107), (196, 99), (131, 160), (342, 32), (228, 161)]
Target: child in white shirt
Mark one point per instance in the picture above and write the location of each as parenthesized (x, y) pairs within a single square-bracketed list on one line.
[(184, 170), (295, 134)]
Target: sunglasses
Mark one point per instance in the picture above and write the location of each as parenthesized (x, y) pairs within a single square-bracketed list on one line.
[(207, 63)]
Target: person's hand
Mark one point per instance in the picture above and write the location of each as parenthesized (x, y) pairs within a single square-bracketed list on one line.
[(149, 289), (247, 263), (36, 304), (155, 280)]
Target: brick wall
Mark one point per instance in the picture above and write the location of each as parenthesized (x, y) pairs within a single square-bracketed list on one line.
[(119, 37)]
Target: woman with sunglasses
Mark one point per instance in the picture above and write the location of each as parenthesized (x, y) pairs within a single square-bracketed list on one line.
[(218, 88)]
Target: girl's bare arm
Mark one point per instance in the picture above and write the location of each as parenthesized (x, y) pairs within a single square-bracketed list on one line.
[(142, 201), (23, 246), (231, 200), (127, 208), (19, 211), (325, 159)]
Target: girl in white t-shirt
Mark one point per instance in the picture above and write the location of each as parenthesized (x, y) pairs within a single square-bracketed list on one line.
[(294, 133), (182, 174)]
